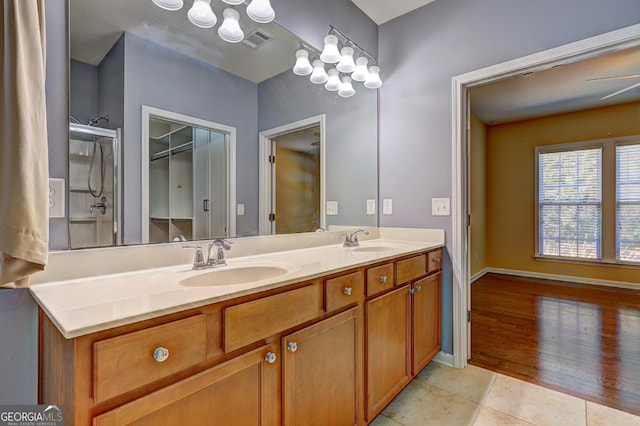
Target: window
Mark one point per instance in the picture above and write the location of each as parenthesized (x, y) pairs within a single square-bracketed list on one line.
[(588, 201), (628, 203), (570, 203)]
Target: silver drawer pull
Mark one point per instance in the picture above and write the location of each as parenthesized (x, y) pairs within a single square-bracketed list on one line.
[(270, 357), (418, 287), (292, 346), (161, 354), (436, 260), (347, 291), (383, 278)]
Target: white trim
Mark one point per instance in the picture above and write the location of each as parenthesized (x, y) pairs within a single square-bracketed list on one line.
[(479, 275), (230, 131), (568, 278), (444, 359), (264, 174), (590, 47)]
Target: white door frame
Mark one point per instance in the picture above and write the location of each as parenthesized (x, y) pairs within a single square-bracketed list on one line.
[(230, 131), (266, 184), (460, 259)]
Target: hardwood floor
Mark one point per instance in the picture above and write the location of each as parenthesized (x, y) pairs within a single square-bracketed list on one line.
[(579, 339)]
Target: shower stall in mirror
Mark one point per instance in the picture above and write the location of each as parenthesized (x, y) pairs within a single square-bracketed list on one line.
[(93, 187)]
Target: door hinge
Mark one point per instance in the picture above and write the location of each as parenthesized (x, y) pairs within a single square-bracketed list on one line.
[(272, 159), (468, 316), (272, 217)]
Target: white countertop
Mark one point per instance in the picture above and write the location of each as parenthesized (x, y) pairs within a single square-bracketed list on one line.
[(90, 304)]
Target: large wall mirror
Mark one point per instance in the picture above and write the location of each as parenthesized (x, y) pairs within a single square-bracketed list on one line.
[(126, 56)]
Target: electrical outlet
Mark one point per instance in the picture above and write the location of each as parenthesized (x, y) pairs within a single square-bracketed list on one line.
[(240, 210), (387, 206), (332, 208), (440, 206), (56, 197), (371, 207)]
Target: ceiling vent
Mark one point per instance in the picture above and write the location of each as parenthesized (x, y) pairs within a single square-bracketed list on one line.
[(256, 39)]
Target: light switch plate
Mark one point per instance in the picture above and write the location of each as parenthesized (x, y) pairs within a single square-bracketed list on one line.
[(240, 210), (332, 208), (387, 206), (440, 206), (56, 197), (371, 207)]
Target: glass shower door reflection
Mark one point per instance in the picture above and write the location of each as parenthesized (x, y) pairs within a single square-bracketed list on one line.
[(93, 187)]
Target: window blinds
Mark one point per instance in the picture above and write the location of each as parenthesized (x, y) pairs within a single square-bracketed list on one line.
[(628, 203), (570, 203)]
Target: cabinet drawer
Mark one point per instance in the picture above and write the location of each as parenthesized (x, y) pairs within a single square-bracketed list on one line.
[(251, 321), (409, 269), (435, 260), (126, 362), (379, 278), (344, 290)]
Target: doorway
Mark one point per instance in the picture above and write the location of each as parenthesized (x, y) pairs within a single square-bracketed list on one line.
[(292, 178), (188, 173), (605, 43)]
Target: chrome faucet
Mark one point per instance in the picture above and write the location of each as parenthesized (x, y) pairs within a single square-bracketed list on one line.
[(100, 205), (351, 239), (215, 254)]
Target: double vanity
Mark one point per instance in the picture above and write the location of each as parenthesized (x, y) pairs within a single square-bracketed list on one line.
[(293, 330)]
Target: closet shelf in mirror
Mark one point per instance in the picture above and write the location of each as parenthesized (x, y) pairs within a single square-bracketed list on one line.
[(161, 219), (172, 151)]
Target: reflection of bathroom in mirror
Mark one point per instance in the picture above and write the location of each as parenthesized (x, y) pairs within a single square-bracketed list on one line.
[(124, 55), (190, 176)]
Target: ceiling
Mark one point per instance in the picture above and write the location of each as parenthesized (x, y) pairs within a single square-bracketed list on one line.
[(381, 11), (560, 89)]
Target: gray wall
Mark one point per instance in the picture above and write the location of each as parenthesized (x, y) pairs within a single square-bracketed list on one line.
[(192, 88), (83, 90), (419, 54), (351, 138)]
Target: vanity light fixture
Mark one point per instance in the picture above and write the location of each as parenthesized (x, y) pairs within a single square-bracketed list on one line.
[(346, 88), (261, 11), (169, 4), (333, 83), (346, 64), (230, 29), (346, 70), (302, 66), (201, 15), (318, 75)]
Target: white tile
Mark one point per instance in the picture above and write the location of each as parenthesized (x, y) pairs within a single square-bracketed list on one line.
[(599, 415), (471, 382)]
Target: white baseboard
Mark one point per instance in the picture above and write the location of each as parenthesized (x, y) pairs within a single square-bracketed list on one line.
[(569, 278), (479, 275), (444, 359)]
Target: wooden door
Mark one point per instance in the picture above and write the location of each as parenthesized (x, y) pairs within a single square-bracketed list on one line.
[(426, 336), (388, 340), (321, 373), (242, 391)]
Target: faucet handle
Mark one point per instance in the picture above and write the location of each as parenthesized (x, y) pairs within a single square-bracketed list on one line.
[(221, 242), (198, 260)]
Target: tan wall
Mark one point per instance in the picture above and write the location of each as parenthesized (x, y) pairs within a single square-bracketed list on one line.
[(510, 185), (478, 232)]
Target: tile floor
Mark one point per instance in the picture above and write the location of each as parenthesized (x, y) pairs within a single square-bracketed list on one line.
[(446, 396)]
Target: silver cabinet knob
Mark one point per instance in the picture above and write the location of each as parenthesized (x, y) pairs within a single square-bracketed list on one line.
[(436, 260), (348, 291), (292, 346), (161, 354), (418, 287), (270, 357), (383, 278), (412, 291)]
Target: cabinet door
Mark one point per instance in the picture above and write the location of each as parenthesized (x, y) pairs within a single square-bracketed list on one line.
[(426, 321), (321, 372), (242, 391), (388, 337)]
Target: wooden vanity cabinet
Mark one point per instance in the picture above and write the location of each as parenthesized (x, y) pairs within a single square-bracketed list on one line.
[(321, 372), (403, 331), (333, 350)]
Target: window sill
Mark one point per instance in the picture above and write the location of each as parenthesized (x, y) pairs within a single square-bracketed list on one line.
[(589, 262)]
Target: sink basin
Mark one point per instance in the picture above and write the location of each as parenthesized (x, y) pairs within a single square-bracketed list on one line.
[(233, 276)]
